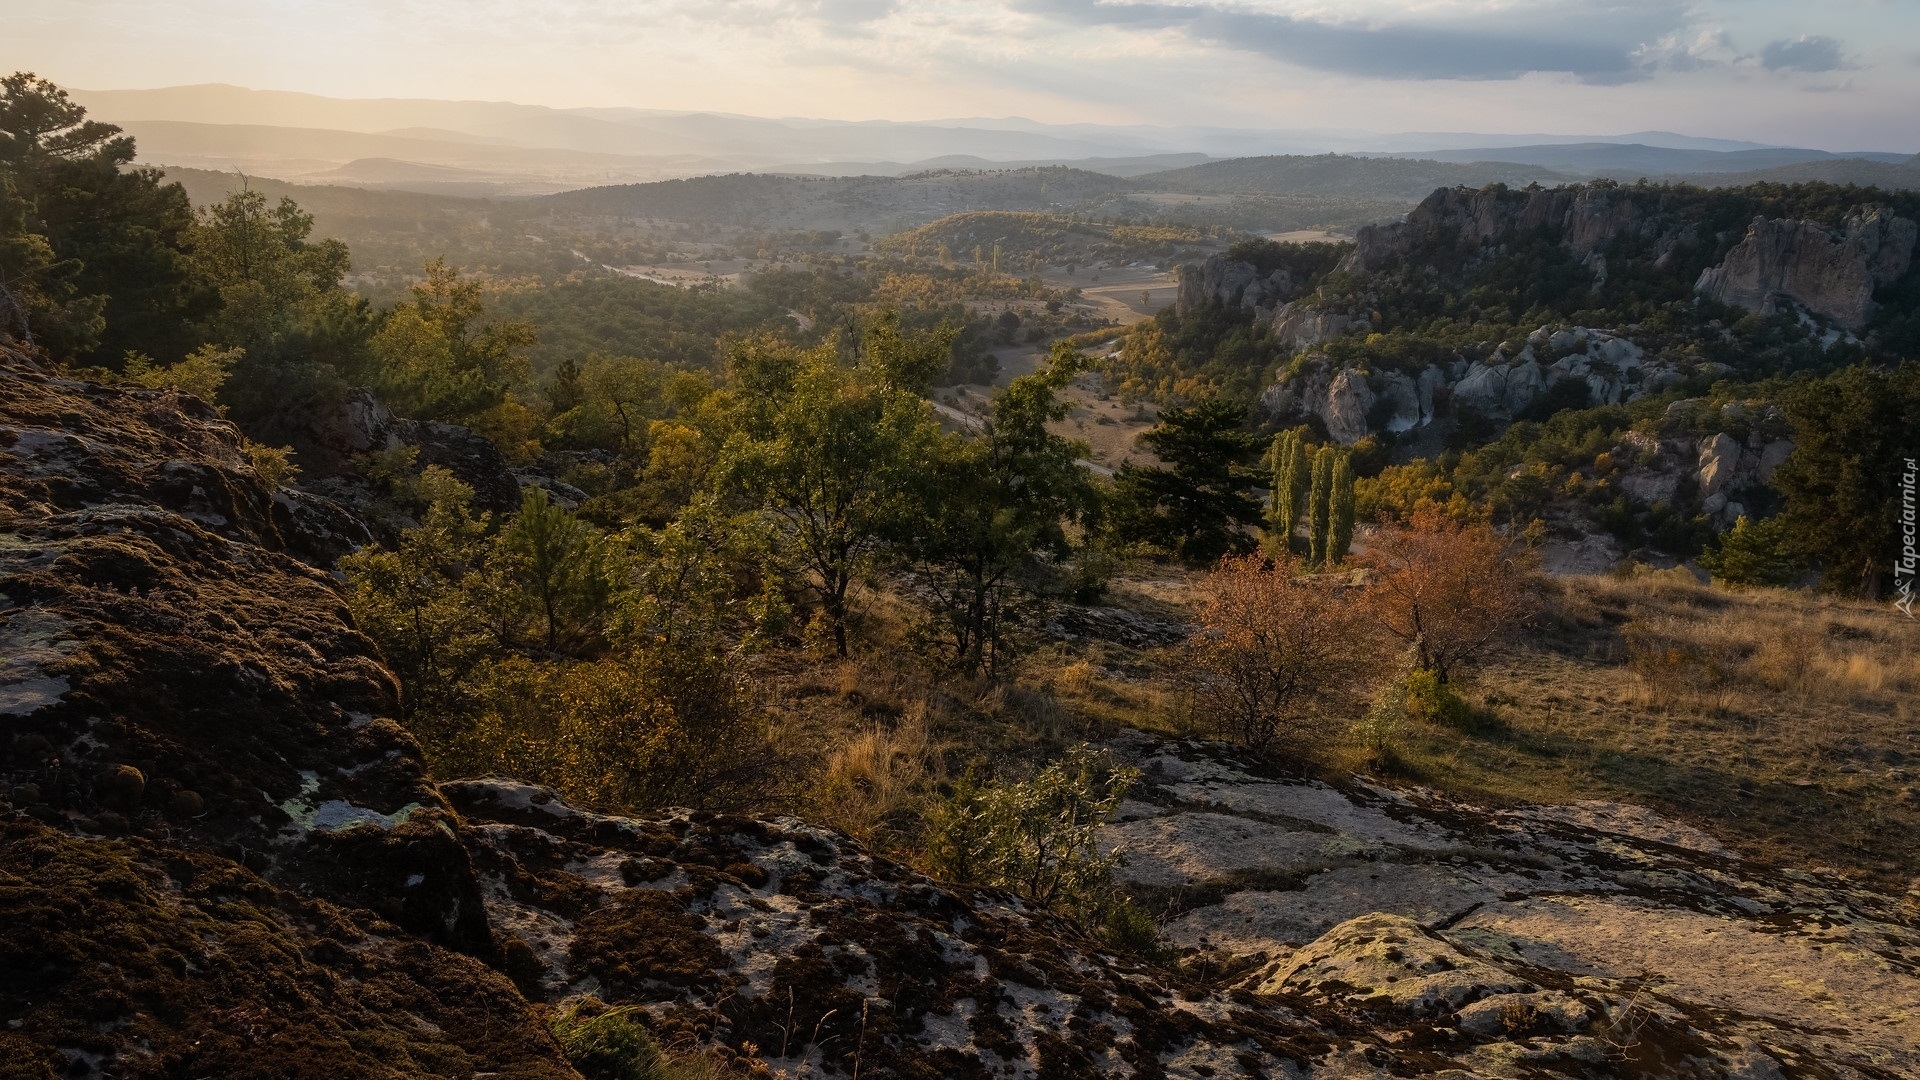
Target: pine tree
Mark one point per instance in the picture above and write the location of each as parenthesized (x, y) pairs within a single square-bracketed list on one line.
[(1340, 529), (1320, 506)]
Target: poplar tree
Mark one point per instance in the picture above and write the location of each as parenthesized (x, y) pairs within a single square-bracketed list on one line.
[(1320, 506), (1288, 457), (1340, 529)]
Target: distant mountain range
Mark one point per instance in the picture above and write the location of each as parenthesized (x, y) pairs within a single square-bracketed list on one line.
[(505, 149)]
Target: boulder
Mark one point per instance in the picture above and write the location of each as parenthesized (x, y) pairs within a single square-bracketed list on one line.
[(1719, 460), (1524, 383), (1484, 388), (332, 438), (1404, 395), (1771, 457)]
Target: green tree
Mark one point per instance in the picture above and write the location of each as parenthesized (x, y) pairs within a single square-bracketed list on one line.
[(1852, 433), (1752, 553), (439, 356), (1320, 507), (990, 504), (559, 562), (832, 447), (1340, 514), (280, 301), (1197, 507), (411, 599), (106, 273), (1289, 462)]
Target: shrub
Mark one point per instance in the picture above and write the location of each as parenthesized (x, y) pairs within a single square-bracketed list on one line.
[(1449, 591), (613, 1045), (1271, 652), (1039, 838)]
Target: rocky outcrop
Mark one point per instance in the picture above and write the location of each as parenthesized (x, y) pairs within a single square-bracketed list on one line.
[(1228, 283), (1302, 326), (1501, 385), (1596, 939), (1828, 272), (332, 438), (222, 856), (1589, 218)]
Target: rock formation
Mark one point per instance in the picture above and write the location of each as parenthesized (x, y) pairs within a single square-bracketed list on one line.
[(1500, 386), (1229, 283), (1589, 217), (1831, 273), (331, 438)]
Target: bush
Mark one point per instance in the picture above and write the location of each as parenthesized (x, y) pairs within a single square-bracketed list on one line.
[(1271, 652), (1039, 838), (612, 1045)]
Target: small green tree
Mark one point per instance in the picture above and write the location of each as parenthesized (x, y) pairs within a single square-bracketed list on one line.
[(1039, 838), (1752, 553), (559, 561), (439, 356), (411, 600), (833, 447), (989, 506)]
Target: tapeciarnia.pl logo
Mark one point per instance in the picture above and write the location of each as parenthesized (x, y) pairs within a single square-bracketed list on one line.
[(1905, 566)]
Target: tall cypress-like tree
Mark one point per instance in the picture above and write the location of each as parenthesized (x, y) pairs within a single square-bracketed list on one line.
[(1320, 506), (1289, 484), (1340, 527)]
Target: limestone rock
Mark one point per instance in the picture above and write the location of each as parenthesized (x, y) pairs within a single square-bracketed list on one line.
[(1301, 326), (1719, 460), (1829, 273), (331, 439), (1772, 456), (1228, 283), (1390, 963), (1349, 400)]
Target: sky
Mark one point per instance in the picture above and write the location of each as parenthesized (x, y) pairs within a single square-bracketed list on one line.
[(1831, 74)]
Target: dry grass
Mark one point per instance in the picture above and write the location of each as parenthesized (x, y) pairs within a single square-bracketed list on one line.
[(1782, 721)]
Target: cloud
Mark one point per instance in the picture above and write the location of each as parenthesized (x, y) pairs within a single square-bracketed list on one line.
[(1594, 41), (1804, 53)]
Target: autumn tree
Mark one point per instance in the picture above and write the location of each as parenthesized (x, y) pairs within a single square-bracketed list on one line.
[(1449, 591), (1273, 652)]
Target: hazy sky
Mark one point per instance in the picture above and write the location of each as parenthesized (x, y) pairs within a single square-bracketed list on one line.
[(1836, 74)]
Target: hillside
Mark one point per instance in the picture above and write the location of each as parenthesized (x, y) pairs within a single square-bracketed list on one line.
[(223, 857), (1338, 175)]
